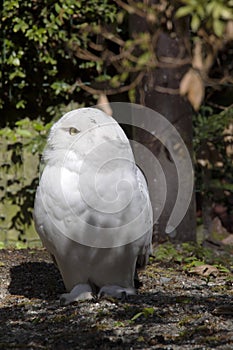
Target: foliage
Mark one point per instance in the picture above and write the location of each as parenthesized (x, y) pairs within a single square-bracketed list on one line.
[(20, 150), (213, 144), (33, 134), (56, 52), (41, 45), (212, 14), (190, 255), (146, 312), (210, 126)]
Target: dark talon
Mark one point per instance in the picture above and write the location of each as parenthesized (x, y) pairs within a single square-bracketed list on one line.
[(62, 301), (101, 295), (124, 296)]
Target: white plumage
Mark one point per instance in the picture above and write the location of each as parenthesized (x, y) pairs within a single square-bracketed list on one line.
[(92, 207)]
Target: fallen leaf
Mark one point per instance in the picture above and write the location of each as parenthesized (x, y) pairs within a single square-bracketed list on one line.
[(228, 138), (165, 280), (229, 31), (205, 270), (192, 85), (228, 240)]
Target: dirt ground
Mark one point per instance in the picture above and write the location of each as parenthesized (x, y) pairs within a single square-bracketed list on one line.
[(173, 310)]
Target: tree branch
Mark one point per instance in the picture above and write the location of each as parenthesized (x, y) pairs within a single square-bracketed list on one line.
[(125, 88)]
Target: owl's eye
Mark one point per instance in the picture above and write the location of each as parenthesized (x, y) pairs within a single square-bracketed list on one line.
[(73, 131)]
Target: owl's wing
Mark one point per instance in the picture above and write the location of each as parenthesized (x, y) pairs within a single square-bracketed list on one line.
[(146, 242)]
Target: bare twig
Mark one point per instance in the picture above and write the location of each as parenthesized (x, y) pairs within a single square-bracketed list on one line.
[(125, 88), (224, 108), (172, 62), (165, 90), (96, 47), (86, 55), (112, 37), (130, 8)]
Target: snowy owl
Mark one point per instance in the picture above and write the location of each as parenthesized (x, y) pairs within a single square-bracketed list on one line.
[(92, 208)]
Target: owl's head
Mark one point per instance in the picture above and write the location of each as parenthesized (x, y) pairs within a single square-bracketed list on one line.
[(83, 130)]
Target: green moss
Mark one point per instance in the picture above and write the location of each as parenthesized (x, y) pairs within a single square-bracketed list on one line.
[(189, 255)]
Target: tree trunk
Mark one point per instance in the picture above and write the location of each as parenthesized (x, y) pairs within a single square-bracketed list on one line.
[(160, 92)]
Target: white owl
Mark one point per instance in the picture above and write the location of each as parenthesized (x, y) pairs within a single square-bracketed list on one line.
[(92, 208)]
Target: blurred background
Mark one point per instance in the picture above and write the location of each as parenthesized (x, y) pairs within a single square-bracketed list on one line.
[(175, 57)]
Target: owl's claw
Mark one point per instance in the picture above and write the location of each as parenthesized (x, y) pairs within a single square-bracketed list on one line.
[(116, 292), (79, 293)]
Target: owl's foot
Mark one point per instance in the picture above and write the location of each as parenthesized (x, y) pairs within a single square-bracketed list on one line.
[(116, 292), (78, 293)]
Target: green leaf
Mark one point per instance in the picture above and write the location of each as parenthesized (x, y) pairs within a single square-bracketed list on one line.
[(115, 81), (38, 126), (144, 59), (217, 10), (21, 245), (218, 27), (23, 122), (20, 25), (21, 104), (135, 317), (148, 311), (2, 245), (210, 7), (57, 8), (119, 324), (222, 269), (16, 61), (184, 11), (201, 10), (227, 13), (124, 76), (17, 73), (195, 22), (24, 133)]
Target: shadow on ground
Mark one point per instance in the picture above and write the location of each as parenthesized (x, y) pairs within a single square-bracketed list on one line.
[(184, 314), (36, 280)]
